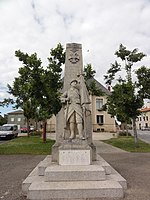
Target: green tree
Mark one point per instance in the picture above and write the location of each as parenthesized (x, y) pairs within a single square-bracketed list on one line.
[(3, 120), (23, 88), (143, 82), (124, 101), (124, 104), (89, 74), (6, 102), (48, 97), (37, 88)]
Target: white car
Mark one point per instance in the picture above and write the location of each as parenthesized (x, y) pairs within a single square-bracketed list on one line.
[(145, 128), (8, 131)]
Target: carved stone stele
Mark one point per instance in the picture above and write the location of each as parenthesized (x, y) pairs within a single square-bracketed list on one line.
[(73, 68)]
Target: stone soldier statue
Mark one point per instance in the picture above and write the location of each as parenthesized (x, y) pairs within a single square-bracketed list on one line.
[(75, 108)]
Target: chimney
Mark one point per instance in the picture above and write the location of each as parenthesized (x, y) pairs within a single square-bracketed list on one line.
[(109, 88)]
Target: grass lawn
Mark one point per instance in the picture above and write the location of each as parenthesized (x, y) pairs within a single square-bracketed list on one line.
[(127, 144), (25, 145)]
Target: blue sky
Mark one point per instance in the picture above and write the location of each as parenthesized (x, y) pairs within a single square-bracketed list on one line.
[(99, 25)]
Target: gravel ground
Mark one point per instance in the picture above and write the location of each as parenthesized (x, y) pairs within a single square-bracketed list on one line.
[(134, 167), (13, 170)]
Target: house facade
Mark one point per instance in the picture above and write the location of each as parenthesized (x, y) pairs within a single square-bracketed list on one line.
[(143, 120), (101, 120), (17, 117)]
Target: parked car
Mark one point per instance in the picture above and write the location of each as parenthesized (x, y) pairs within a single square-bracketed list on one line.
[(8, 131), (32, 128), (145, 128), (23, 129)]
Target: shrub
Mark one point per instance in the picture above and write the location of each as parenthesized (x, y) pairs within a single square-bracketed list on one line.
[(36, 133), (124, 133)]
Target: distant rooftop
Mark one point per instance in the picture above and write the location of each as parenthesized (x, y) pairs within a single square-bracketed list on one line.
[(15, 112), (99, 85)]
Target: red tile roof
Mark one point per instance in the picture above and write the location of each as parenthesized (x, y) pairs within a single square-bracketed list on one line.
[(145, 109)]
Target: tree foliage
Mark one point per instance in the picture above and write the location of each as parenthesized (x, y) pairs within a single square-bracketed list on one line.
[(3, 120), (128, 59), (37, 88), (143, 82), (124, 102), (89, 74), (23, 88), (6, 102)]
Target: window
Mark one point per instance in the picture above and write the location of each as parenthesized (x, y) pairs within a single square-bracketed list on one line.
[(140, 119), (146, 125), (147, 118), (100, 119), (12, 119), (144, 118), (19, 119), (99, 104)]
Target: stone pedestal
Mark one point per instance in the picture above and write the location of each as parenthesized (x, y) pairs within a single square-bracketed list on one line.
[(50, 181), (75, 157), (75, 152)]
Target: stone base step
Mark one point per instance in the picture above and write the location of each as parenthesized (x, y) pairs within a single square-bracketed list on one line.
[(43, 164), (48, 162), (74, 190), (35, 186), (28, 181), (74, 173)]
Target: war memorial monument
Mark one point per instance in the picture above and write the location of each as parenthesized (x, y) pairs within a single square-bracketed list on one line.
[(74, 170)]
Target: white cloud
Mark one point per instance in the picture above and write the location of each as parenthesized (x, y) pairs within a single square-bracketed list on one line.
[(99, 25)]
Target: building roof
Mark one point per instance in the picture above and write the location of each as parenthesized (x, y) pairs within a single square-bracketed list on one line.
[(16, 112), (99, 85), (145, 109)]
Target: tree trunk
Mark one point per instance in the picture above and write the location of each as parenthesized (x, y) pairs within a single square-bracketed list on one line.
[(126, 125), (36, 125), (44, 131), (135, 133), (28, 128), (122, 126)]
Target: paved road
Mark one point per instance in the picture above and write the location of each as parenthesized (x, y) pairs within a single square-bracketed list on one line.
[(135, 168), (145, 135), (13, 170), (102, 147)]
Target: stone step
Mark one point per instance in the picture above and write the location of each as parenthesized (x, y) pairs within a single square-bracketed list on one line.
[(28, 181), (74, 173), (100, 161), (74, 190), (43, 164)]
